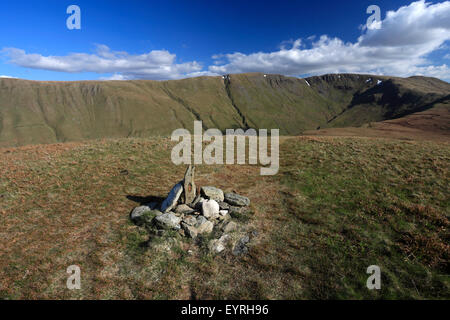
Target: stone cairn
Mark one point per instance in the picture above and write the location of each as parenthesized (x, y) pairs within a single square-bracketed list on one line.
[(191, 211)]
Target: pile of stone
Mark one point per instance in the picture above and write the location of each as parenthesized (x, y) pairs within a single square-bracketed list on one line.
[(191, 211)]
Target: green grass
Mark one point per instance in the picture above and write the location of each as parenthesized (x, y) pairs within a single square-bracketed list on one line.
[(360, 202), (33, 112)]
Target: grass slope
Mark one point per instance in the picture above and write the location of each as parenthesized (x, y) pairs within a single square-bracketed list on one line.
[(337, 206), (47, 112)]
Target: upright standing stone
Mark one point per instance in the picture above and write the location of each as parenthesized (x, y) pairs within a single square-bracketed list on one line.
[(172, 198), (189, 185)]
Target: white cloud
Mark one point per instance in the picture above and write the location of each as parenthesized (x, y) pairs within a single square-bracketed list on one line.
[(400, 48), (7, 77), (157, 64)]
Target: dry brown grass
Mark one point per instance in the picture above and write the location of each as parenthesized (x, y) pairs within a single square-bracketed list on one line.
[(69, 204)]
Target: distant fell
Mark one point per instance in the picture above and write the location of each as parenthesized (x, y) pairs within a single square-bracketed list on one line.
[(34, 112)]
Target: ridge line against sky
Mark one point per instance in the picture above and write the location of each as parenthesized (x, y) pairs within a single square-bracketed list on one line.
[(413, 40)]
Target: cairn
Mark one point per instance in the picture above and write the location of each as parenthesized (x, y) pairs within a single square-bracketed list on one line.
[(193, 211)]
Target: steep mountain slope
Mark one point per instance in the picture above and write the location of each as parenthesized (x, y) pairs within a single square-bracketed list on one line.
[(431, 124), (45, 112)]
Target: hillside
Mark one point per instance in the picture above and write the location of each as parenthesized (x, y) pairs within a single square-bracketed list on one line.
[(46, 112), (337, 206), (431, 124)]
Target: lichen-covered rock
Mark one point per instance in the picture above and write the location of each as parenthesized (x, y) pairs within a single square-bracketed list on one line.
[(200, 220), (172, 198), (189, 220), (236, 200), (241, 246), (229, 227), (184, 209), (168, 220), (206, 227), (189, 185), (189, 230), (223, 205), (218, 245), (212, 193), (143, 215)]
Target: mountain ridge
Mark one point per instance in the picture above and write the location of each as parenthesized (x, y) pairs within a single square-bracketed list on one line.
[(51, 111)]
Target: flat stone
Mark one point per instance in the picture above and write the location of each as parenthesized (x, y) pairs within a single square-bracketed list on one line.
[(189, 185), (241, 246), (184, 209), (224, 218), (200, 220), (218, 245), (172, 198), (210, 209), (189, 230), (229, 227), (190, 220), (138, 212), (168, 220), (236, 200), (223, 212), (215, 246), (143, 215), (212, 193), (206, 227), (238, 210), (223, 205)]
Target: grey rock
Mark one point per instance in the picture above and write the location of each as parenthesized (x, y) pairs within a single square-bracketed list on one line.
[(172, 198), (224, 218), (206, 227), (212, 193), (184, 209), (218, 245), (223, 212), (143, 215), (138, 212), (229, 227), (190, 220), (210, 209), (189, 185), (238, 210), (168, 220), (236, 200), (223, 205), (189, 230), (215, 246), (200, 220), (241, 246)]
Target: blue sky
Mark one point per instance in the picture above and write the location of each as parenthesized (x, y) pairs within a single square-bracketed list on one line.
[(178, 39)]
